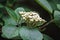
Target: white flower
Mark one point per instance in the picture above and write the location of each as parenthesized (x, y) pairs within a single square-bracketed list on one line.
[(31, 17), (24, 18), (21, 13), (32, 20)]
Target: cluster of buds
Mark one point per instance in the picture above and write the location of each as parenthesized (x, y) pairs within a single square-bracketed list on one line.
[(31, 17)]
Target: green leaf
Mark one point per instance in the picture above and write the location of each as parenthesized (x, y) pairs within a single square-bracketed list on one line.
[(14, 15), (17, 37), (19, 9), (3, 35), (40, 23), (57, 18), (46, 37), (1, 6), (30, 34), (53, 4), (10, 31), (45, 4), (58, 6), (9, 20)]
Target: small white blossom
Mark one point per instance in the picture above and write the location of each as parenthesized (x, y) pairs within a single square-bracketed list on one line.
[(31, 17), (32, 20), (24, 18), (21, 13)]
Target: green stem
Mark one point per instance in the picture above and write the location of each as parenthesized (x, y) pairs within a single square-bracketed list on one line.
[(47, 24)]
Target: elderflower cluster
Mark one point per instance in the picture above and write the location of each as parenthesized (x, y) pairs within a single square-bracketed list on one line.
[(31, 17)]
